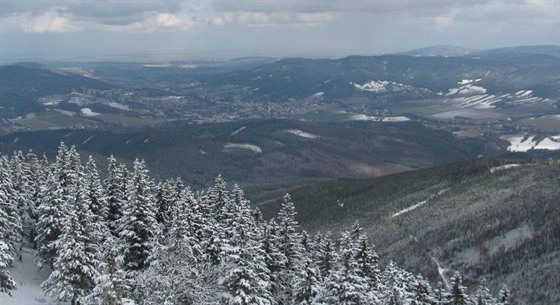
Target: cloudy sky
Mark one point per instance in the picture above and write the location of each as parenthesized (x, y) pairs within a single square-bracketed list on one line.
[(124, 29)]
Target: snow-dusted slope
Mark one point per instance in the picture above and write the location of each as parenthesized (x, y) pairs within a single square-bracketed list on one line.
[(29, 279)]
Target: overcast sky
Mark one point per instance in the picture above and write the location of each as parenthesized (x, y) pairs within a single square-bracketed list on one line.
[(126, 29)]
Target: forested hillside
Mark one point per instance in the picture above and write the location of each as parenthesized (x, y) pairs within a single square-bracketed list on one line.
[(130, 240)]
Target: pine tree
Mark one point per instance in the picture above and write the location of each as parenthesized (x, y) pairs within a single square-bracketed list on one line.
[(307, 285), (423, 294), (115, 193), (326, 256), (290, 239), (11, 228), (74, 268), (7, 283), (50, 225), (458, 294), (94, 194), (504, 296), (138, 226), (111, 285), (247, 280), (482, 295)]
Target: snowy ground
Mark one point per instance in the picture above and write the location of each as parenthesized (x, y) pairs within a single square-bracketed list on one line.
[(251, 147), (303, 134), (524, 143), (29, 279)]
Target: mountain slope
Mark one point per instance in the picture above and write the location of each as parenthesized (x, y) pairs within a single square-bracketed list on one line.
[(478, 217), (22, 84)]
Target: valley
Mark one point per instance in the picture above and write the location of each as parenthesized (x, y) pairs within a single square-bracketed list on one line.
[(448, 163)]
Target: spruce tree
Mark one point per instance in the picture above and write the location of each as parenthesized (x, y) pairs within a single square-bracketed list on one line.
[(458, 294), (138, 226), (115, 193), (307, 284), (74, 268)]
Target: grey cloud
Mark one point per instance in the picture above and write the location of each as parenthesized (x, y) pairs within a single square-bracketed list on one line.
[(119, 12)]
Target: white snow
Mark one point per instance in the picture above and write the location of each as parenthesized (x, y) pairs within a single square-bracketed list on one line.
[(88, 112), (147, 140), (524, 143), (87, 140), (29, 279), (251, 147), (237, 131), (549, 144), (363, 117), (319, 94), (441, 272), (381, 86), (118, 106), (524, 93), (303, 134), (467, 90), (503, 167), (421, 203)]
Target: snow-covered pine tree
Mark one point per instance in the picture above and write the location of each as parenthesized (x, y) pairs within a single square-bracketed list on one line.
[(94, 193), (74, 268), (367, 263), (11, 230), (115, 193), (326, 256), (23, 190), (111, 285), (167, 194), (138, 227), (504, 296), (7, 283), (51, 221), (458, 291), (423, 294), (275, 261), (247, 279), (482, 295), (290, 238), (306, 286)]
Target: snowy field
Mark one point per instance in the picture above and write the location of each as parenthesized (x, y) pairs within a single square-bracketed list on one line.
[(254, 148), (524, 143), (303, 134)]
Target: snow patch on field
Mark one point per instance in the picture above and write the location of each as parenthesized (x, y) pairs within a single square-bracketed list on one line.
[(421, 203), (503, 167), (303, 134), (524, 143), (237, 131), (118, 106), (363, 117), (87, 140), (251, 147), (88, 112), (381, 86)]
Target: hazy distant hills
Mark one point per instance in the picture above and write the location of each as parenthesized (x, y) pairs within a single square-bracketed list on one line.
[(450, 50), (438, 50), (298, 78), (496, 219), (498, 72)]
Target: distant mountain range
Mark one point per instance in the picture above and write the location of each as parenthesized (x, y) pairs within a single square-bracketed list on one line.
[(450, 50)]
